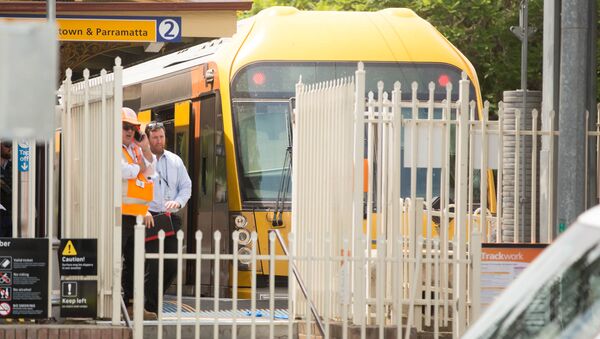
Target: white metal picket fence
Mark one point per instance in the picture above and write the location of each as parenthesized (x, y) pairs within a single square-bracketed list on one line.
[(399, 269), (405, 137), (91, 174)]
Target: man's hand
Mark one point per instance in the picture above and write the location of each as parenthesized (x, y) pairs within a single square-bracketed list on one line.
[(148, 220), (172, 205), (145, 147)]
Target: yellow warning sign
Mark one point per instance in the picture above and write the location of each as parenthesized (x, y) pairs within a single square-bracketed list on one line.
[(69, 249)]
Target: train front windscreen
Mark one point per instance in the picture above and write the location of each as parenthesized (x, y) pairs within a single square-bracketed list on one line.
[(261, 113)]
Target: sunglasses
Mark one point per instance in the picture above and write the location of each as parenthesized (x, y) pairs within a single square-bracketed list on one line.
[(153, 126), (129, 127)]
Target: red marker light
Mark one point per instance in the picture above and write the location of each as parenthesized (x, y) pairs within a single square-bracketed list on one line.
[(443, 80), (259, 78)]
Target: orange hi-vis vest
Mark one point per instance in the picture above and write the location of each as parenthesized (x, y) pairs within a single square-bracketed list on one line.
[(137, 192)]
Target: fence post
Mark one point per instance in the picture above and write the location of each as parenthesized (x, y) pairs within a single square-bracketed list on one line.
[(460, 275), (475, 288), (138, 279), (359, 137), (117, 142)]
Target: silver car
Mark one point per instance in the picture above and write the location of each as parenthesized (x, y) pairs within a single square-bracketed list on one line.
[(557, 296)]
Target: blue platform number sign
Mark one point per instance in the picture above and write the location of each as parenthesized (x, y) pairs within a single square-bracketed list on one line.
[(168, 29), (23, 158)]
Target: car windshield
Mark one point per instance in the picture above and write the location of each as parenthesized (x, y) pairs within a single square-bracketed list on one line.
[(567, 304)]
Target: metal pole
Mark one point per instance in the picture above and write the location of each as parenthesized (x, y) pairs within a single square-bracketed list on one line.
[(16, 184), (592, 104), (572, 107), (51, 8), (300, 281), (32, 188), (522, 32), (523, 22), (550, 85)]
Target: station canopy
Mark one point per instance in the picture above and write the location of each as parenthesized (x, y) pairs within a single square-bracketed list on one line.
[(93, 33)]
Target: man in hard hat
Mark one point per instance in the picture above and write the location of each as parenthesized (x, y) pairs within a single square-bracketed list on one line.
[(137, 166)]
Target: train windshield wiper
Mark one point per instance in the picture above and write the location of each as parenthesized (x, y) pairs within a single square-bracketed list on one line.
[(286, 172)]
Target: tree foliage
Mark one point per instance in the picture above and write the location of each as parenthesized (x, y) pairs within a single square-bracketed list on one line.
[(478, 28)]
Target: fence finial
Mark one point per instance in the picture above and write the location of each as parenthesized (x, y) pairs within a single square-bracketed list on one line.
[(463, 75), (217, 235), (397, 86), (431, 86), (486, 110), (117, 61), (69, 73), (361, 66), (86, 74), (414, 86)]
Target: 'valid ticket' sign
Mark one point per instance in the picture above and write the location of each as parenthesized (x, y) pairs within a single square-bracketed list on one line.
[(23, 278)]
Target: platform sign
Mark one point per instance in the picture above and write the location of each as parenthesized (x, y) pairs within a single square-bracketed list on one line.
[(79, 298), (23, 158), (23, 278), (501, 264), (78, 257)]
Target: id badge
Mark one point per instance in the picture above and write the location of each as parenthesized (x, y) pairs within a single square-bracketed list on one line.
[(139, 183)]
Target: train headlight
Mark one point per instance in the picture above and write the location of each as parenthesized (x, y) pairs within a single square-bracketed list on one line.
[(240, 221), (246, 252), (243, 237)]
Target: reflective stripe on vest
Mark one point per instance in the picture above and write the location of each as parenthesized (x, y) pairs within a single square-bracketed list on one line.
[(137, 192)]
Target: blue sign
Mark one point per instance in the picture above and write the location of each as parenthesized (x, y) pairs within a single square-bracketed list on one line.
[(23, 158), (168, 29)]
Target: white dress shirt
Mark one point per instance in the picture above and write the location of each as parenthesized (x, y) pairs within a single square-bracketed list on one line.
[(171, 182), (130, 171)]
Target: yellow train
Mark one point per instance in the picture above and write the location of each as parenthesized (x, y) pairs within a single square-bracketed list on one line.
[(226, 105)]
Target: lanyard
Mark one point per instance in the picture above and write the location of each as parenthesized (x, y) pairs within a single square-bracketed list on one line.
[(164, 178)]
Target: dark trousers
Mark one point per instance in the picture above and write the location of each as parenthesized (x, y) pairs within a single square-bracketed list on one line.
[(127, 243), (5, 224), (170, 267)]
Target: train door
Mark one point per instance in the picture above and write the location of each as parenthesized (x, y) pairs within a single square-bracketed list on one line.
[(210, 192)]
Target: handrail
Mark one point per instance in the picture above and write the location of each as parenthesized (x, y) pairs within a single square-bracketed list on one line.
[(313, 309)]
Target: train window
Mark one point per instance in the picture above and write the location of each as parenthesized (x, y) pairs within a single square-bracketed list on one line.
[(262, 143), (277, 80)]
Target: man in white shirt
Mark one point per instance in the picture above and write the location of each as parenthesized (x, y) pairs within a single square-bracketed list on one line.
[(172, 190)]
